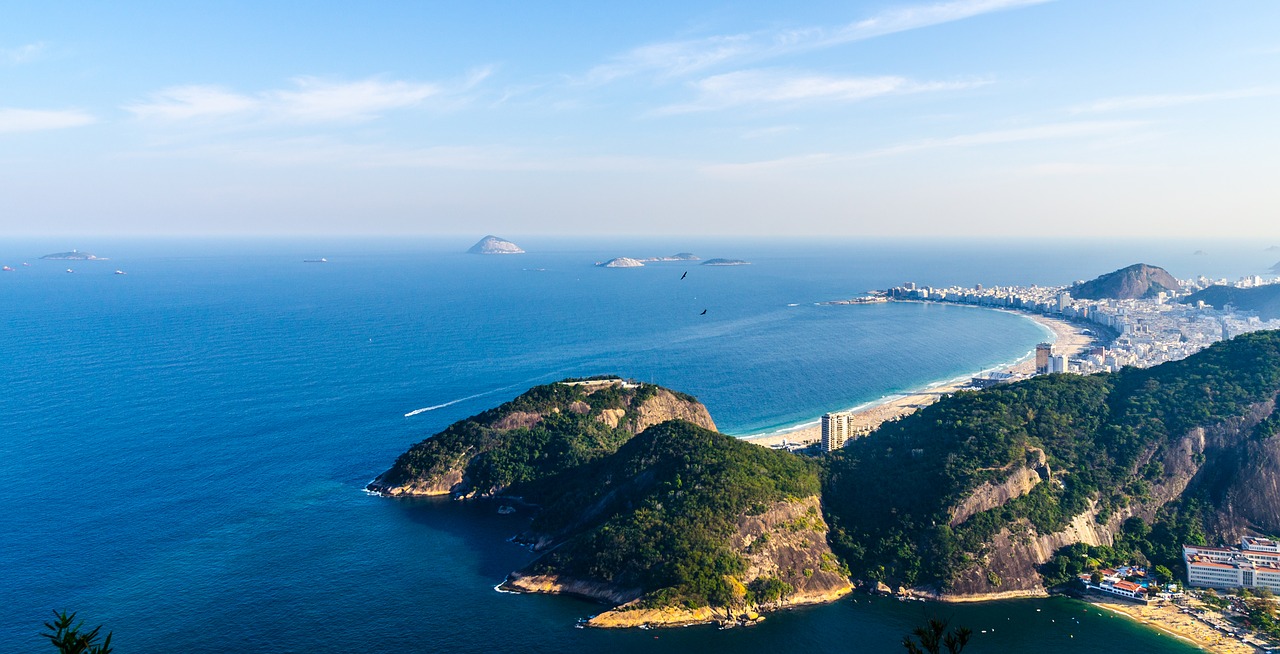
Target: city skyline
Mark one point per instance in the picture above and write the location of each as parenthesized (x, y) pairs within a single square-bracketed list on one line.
[(966, 118)]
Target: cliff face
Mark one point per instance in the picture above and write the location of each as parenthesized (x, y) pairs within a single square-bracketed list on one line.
[(1227, 462), (1136, 281), (786, 542), (541, 433)]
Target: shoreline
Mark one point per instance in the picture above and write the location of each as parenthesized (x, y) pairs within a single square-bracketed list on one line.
[(1067, 337), (1168, 619)]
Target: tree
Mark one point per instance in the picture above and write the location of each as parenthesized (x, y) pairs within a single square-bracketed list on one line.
[(934, 636), (1095, 578), (1163, 575), (67, 638)]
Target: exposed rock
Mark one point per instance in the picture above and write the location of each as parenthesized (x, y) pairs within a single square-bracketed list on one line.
[(1135, 282), (991, 494), (493, 245), (519, 419), (664, 406), (555, 584), (612, 417), (621, 262)]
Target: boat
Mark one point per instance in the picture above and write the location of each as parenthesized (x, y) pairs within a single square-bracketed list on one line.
[(70, 270), (7, 269), (320, 260), (120, 272)]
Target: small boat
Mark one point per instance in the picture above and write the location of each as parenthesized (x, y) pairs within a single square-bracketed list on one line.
[(7, 269), (70, 270), (25, 263), (121, 272), (320, 260)]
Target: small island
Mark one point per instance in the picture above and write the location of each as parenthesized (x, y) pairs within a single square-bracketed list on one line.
[(74, 255), (726, 262), (493, 245), (679, 256), (621, 262)]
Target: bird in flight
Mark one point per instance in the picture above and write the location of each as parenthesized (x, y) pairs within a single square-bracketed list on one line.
[(704, 312), (686, 274)]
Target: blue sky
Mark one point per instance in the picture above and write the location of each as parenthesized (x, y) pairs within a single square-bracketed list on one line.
[(956, 118)]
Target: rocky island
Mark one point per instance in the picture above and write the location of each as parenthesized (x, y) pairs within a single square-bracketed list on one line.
[(726, 262), (621, 262), (74, 255), (1008, 491), (680, 256), (493, 245)]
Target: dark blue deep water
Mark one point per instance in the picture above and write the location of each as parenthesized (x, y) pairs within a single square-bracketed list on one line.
[(183, 448)]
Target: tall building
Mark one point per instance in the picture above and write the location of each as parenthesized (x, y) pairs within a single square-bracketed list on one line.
[(1043, 352), (1064, 301), (1256, 563), (836, 430)]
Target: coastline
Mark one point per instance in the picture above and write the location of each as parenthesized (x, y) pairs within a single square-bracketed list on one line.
[(1169, 620), (1067, 338)]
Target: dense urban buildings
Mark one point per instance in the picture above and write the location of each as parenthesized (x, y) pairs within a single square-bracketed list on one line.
[(1255, 564)]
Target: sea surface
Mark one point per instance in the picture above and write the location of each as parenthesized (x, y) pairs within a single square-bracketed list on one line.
[(183, 447)]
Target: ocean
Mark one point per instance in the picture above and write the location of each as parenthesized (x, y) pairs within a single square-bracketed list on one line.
[(183, 447)]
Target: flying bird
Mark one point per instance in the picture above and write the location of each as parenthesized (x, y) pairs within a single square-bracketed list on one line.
[(686, 274), (704, 312)]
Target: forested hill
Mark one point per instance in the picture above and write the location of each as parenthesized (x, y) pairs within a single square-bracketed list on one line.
[(971, 494), (1265, 300), (544, 431)]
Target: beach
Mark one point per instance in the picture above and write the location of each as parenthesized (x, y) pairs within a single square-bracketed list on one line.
[(1169, 619), (1070, 339)]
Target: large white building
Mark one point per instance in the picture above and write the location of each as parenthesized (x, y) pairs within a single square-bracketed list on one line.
[(1255, 564)]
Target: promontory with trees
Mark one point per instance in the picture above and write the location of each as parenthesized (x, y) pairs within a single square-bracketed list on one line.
[(1000, 492)]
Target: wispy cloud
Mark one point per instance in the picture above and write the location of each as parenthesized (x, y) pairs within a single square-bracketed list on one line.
[(34, 120), (22, 54), (326, 151), (768, 86), (309, 100), (1143, 102), (1047, 132), (692, 56)]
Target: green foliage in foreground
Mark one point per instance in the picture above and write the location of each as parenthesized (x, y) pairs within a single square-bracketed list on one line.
[(65, 634), (934, 636), (657, 515), (889, 496)]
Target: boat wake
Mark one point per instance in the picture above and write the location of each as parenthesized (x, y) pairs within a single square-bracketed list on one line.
[(450, 403)]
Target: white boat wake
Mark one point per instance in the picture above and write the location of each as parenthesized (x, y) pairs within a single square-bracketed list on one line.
[(451, 403)]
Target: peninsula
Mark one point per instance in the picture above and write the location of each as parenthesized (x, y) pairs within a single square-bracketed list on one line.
[(1001, 492), (726, 262), (493, 245)]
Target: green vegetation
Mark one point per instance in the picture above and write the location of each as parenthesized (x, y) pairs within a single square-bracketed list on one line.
[(545, 431), (658, 514), (934, 636), (889, 497), (65, 634)]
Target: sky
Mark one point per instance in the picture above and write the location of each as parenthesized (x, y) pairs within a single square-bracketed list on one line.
[(961, 118)]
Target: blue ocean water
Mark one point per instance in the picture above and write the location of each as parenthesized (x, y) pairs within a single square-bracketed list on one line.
[(183, 448)]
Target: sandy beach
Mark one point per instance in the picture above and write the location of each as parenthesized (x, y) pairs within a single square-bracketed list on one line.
[(1070, 339), (1168, 618)]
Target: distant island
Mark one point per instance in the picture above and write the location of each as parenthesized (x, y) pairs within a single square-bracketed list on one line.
[(621, 262), (680, 256), (726, 262), (74, 255), (1135, 282), (1276, 268), (493, 245)]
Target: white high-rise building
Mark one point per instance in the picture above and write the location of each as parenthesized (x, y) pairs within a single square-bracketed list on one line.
[(836, 430), (1256, 563)]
